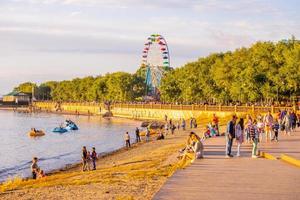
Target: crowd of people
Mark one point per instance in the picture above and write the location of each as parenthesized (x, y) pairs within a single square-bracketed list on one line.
[(252, 130), (260, 129)]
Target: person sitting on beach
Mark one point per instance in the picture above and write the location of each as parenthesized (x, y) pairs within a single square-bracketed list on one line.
[(84, 159), (34, 168), (215, 121), (94, 158), (41, 174), (193, 150), (207, 133), (160, 135), (127, 139)]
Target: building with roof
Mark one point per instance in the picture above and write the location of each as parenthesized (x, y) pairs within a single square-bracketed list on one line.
[(16, 97)]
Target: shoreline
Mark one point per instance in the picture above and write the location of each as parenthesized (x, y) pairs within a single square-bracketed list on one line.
[(135, 173)]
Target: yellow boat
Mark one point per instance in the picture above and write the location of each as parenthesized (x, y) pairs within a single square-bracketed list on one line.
[(36, 133)]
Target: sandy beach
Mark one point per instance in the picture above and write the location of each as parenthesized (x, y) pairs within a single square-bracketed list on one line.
[(137, 173)]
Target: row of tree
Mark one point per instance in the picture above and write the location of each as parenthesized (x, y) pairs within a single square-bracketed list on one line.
[(264, 72), (119, 86)]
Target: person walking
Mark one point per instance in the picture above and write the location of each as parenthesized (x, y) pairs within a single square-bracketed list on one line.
[(286, 122), (166, 128), (248, 121), (260, 128), (94, 157), (254, 135), (183, 124), (34, 168), (276, 127), (137, 135), (191, 122), (173, 127), (239, 135), (147, 134), (84, 158), (268, 122), (127, 140), (293, 119), (230, 135), (178, 125)]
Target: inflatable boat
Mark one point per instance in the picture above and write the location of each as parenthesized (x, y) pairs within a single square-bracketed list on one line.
[(36, 133), (59, 130)]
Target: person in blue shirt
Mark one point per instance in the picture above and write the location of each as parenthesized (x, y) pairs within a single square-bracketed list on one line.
[(230, 135)]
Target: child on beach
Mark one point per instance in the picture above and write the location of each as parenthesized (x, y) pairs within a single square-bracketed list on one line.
[(41, 174), (276, 127), (88, 161), (34, 168), (94, 158)]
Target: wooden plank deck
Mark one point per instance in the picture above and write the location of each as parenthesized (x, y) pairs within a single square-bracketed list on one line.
[(216, 177)]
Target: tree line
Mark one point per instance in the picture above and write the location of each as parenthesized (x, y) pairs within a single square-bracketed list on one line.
[(266, 72)]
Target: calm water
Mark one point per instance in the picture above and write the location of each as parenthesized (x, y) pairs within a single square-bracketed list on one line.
[(54, 150)]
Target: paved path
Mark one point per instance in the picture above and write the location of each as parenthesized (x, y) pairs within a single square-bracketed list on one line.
[(216, 177)]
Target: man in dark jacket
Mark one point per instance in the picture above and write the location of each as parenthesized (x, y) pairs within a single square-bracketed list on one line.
[(230, 135)]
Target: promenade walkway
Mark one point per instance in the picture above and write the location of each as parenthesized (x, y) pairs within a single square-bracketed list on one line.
[(243, 178)]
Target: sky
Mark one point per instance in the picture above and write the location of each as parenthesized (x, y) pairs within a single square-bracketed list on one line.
[(44, 40)]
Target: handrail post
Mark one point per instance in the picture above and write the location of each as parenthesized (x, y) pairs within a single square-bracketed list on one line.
[(205, 107), (193, 107)]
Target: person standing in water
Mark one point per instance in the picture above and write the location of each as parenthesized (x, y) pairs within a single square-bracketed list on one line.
[(127, 139), (34, 168)]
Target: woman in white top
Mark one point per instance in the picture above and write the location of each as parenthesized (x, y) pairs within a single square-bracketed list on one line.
[(239, 135), (260, 127)]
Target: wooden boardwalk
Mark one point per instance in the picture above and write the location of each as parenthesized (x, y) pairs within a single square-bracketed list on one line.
[(217, 177)]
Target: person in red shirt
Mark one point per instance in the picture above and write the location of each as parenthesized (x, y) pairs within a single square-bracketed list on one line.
[(215, 123)]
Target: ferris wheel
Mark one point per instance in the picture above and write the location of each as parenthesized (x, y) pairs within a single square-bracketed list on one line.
[(156, 60)]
